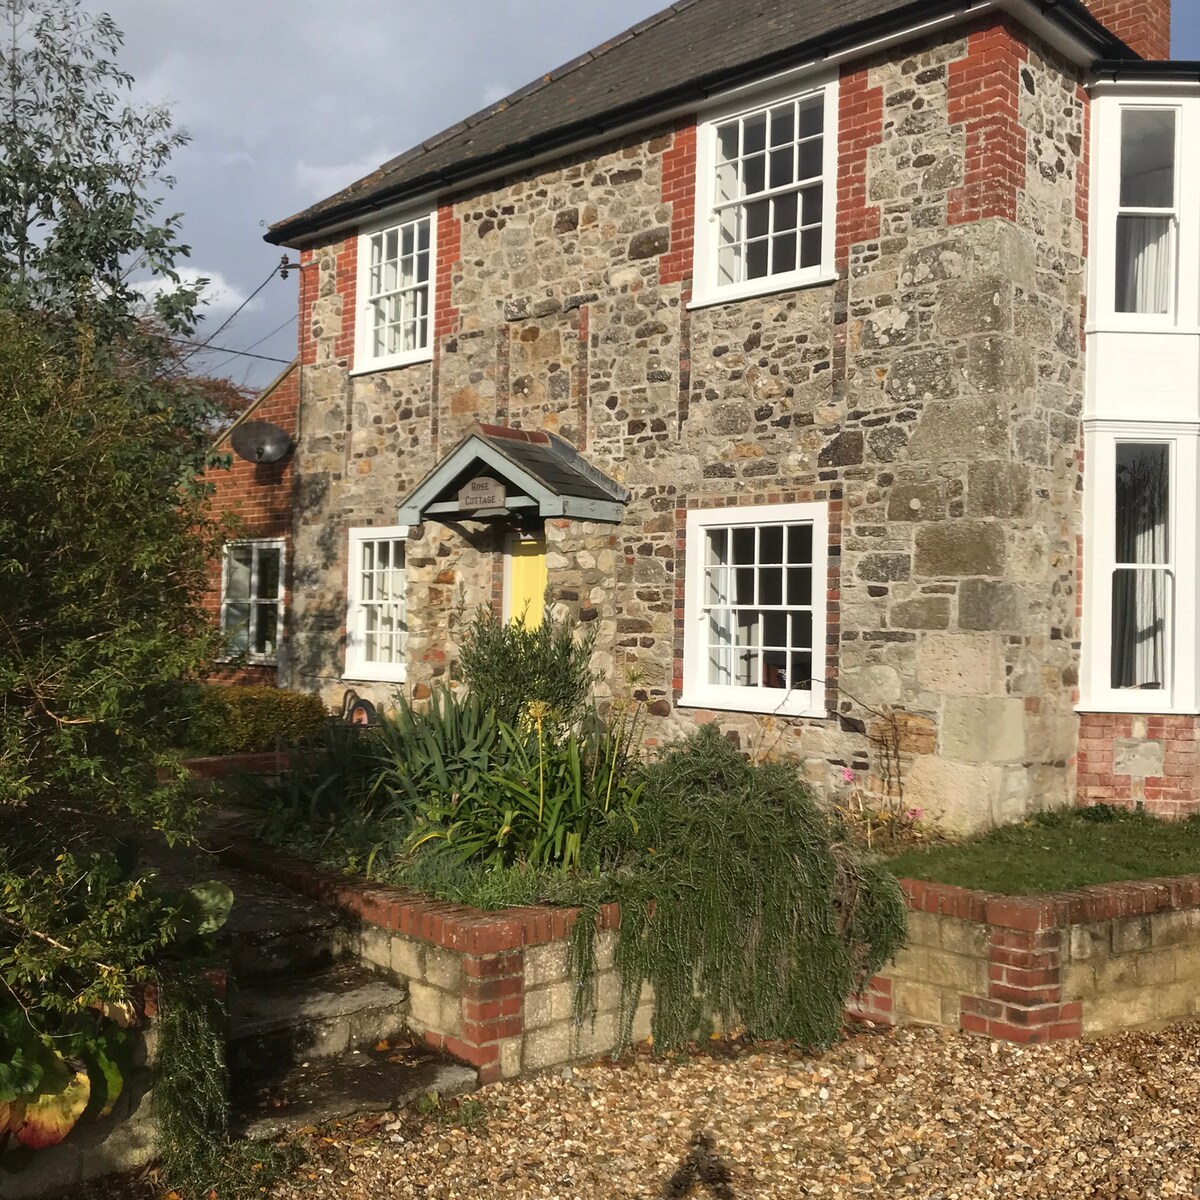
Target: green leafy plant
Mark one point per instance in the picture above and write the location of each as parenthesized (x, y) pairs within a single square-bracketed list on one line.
[(741, 903), (509, 666)]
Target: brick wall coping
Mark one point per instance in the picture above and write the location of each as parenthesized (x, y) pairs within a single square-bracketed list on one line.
[(1056, 910), (475, 931), (399, 910), (264, 762)]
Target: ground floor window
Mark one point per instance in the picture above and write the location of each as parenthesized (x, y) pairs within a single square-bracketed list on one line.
[(376, 618), (252, 599), (525, 578), (1140, 589), (754, 609)]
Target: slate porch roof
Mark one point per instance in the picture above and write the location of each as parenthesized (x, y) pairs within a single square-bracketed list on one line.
[(547, 473), (680, 55)]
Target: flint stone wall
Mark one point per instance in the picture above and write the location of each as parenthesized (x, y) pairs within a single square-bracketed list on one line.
[(931, 396)]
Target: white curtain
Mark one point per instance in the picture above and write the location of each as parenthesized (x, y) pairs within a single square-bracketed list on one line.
[(1141, 596), (1144, 264)]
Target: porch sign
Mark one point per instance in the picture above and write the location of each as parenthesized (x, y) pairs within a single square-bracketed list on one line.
[(484, 496)]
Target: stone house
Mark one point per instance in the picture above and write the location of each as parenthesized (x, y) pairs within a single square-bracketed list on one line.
[(845, 373)]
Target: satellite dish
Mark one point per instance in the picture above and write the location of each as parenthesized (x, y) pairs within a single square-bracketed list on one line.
[(260, 442)]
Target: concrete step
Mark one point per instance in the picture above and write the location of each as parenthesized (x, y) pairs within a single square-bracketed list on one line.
[(281, 1023), (375, 1077)]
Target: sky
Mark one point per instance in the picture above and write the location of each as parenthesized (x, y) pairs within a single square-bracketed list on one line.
[(288, 101)]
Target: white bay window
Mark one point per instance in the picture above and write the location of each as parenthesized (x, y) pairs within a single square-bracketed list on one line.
[(1146, 212), (754, 637)]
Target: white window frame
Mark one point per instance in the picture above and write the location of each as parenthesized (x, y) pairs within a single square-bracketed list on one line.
[(1183, 298), (358, 666), (258, 544), (698, 692), (706, 289), (1096, 691), (365, 360)]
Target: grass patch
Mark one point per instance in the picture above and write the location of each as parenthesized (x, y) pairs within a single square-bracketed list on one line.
[(1060, 850)]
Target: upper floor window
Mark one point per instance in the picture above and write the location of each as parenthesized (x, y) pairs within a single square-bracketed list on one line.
[(252, 599), (376, 618), (767, 186), (754, 633), (1146, 211), (395, 289)]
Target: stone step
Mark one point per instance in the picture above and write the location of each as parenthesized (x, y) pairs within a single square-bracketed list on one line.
[(375, 1077), (281, 1023)]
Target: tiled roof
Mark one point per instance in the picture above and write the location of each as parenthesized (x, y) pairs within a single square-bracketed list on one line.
[(677, 56)]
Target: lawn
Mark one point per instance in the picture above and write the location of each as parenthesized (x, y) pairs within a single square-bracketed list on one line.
[(1061, 850)]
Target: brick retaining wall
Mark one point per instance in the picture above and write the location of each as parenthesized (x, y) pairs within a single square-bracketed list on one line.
[(1044, 968), (496, 990)]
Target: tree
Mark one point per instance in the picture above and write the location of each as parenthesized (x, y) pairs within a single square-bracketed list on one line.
[(82, 175)]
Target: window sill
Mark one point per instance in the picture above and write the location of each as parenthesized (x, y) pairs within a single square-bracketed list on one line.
[(1105, 708), (393, 363), (765, 287), (770, 706), (369, 675)]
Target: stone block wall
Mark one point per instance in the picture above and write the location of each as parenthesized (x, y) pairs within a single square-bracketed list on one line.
[(930, 396), (1046, 968)]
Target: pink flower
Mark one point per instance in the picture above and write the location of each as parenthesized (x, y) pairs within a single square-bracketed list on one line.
[(915, 814), (848, 775)]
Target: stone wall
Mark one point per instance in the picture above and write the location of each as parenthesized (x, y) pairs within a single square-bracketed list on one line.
[(931, 396), (1045, 968)]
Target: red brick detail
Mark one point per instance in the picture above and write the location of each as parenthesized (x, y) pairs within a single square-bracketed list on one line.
[(449, 261), (1143, 25), (269, 762), (679, 191), (1083, 177), (1175, 793), (873, 1003), (259, 496), (860, 126), (983, 97), (347, 286)]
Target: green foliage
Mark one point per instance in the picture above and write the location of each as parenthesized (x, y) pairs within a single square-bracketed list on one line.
[(82, 175), (197, 1158), (739, 902), (1060, 850), (454, 776), (235, 719), (509, 666)]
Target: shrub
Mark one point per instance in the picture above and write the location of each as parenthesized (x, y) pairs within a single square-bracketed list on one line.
[(741, 903), (237, 719), (508, 666)]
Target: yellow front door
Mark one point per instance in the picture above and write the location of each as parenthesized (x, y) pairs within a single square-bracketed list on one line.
[(525, 585)]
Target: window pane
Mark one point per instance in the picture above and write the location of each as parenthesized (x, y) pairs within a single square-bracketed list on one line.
[(811, 159), (783, 254), (1144, 266), (743, 546), (268, 572), (783, 170), (1141, 614), (812, 116), (810, 248), (266, 627), (783, 125), (770, 544), (754, 134), (754, 175), (1147, 158), (1143, 501), (239, 564), (236, 625)]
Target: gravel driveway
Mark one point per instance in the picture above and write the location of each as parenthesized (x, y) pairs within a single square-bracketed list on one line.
[(902, 1113)]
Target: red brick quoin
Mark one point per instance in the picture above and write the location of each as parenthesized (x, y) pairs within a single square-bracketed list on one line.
[(1143, 25), (1147, 761)]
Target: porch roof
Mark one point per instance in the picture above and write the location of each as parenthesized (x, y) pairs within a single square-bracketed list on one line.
[(542, 474)]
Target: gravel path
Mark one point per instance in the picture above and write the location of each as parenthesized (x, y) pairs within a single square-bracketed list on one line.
[(905, 1113)]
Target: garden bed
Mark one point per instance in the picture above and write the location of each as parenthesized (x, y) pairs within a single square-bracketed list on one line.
[(1061, 850)]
